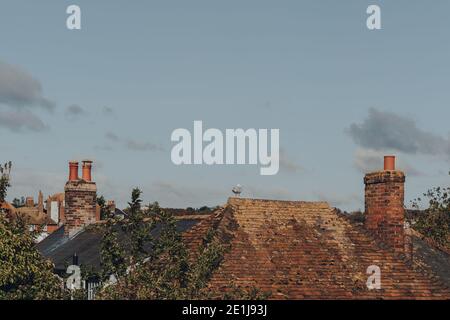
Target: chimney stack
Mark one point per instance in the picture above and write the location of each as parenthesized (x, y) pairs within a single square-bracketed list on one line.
[(40, 202), (73, 170), (87, 167), (80, 199), (384, 205), (29, 202)]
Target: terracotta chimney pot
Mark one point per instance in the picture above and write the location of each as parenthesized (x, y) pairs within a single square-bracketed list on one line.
[(87, 169), (389, 163), (73, 170)]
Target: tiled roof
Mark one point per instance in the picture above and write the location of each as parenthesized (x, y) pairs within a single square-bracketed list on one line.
[(8, 207), (34, 217), (305, 250), (59, 248), (431, 256), (30, 214)]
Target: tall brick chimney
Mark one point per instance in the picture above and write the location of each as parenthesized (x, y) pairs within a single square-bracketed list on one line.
[(384, 205), (40, 202), (29, 202), (80, 200)]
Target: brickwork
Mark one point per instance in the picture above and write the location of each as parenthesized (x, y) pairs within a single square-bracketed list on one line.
[(80, 201), (384, 207)]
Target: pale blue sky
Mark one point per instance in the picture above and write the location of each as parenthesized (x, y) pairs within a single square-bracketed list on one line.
[(310, 68)]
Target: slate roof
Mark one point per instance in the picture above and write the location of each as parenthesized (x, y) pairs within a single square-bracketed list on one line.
[(60, 249), (305, 250), (431, 256)]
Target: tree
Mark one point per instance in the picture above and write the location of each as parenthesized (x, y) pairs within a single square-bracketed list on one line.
[(24, 274), (169, 272), (18, 203), (137, 228), (5, 170), (434, 221), (112, 255), (164, 273), (103, 208)]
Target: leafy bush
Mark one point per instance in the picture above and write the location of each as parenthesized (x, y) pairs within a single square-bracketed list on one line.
[(24, 274), (434, 221)]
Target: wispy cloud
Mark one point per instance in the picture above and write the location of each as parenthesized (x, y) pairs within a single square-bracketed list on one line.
[(387, 130), (75, 111), (129, 144), (21, 121), (112, 136), (176, 194), (107, 111), (288, 164), (135, 145), (20, 93), (19, 89), (28, 181)]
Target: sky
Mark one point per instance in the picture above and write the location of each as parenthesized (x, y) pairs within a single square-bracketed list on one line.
[(341, 95)]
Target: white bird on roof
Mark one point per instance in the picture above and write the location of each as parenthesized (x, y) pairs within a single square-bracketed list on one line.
[(237, 190)]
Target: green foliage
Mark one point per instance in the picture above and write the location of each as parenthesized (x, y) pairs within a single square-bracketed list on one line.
[(163, 273), (434, 222), (137, 228), (104, 214), (24, 274), (167, 271), (239, 293), (18, 203), (209, 258), (171, 273), (112, 255), (5, 170)]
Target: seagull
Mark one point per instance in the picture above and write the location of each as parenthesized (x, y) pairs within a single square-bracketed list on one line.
[(237, 190)]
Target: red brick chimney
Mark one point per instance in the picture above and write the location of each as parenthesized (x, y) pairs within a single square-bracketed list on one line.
[(29, 202), (80, 199), (40, 202), (384, 204)]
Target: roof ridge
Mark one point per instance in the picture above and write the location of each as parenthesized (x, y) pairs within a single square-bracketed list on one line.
[(231, 200)]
